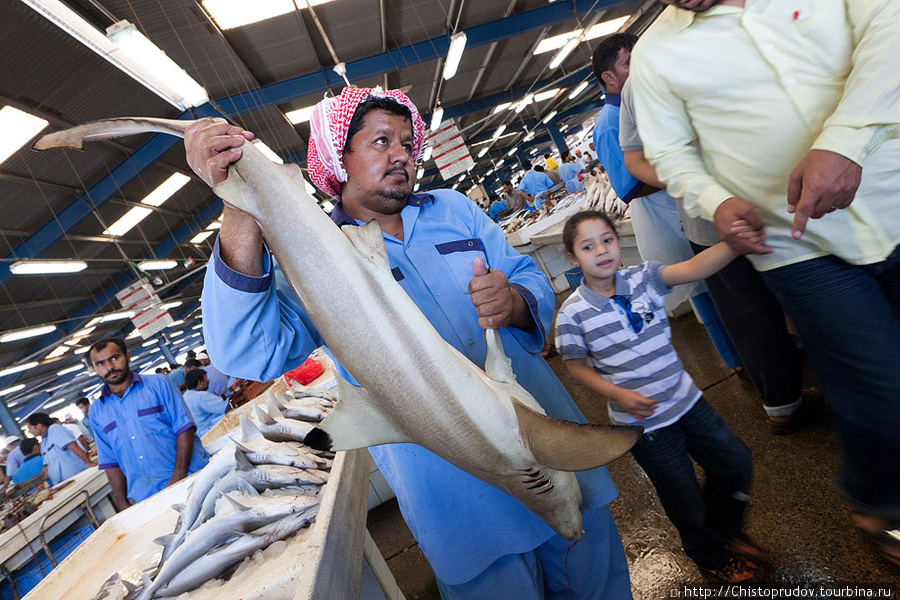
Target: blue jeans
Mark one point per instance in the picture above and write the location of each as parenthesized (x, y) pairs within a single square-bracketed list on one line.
[(706, 518), (849, 319), (594, 568)]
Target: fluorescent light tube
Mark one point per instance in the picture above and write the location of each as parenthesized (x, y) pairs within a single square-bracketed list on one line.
[(18, 127), (46, 267), (528, 99), (166, 189), (437, 117), (71, 369), (58, 351), (117, 316), (541, 96), (605, 28), (512, 151), (157, 265), (214, 225), (454, 54), (549, 117), (128, 221), (21, 334), (301, 115), (500, 163), (12, 389), (18, 368), (556, 42), (483, 151), (426, 155), (581, 87), (501, 107), (416, 187), (229, 14), (83, 332), (563, 53), (175, 323), (498, 132), (268, 152), (148, 343), (169, 305), (146, 54), (82, 350), (529, 136), (201, 236)]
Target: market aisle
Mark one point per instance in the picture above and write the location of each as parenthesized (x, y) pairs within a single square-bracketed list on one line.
[(795, 511)]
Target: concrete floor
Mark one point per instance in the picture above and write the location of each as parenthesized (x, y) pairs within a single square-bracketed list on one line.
[(795, 511)]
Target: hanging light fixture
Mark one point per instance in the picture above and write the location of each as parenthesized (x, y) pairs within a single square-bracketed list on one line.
[(454, 54)]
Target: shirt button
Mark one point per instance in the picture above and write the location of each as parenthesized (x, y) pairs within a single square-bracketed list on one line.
[(132, 437), (437, 292), (471, 244), (471, 342), (141, 457)]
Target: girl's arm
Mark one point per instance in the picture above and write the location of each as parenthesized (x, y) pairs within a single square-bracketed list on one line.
[(709, 262), (634, 403)]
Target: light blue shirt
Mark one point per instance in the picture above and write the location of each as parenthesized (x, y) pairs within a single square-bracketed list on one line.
[(534, 183), (569, 172), (206, 408), (14, 460), (176, 376), (32, 466), (218, 381), (137, 433), (461, 523), (497, 207), (61, 462), (609, 152)]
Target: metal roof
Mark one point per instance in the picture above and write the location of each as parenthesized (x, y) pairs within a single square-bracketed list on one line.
[(57, 204)]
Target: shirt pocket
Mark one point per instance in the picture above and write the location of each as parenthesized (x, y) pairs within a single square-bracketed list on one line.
[(825, 35), (459, 255), (151, 420)]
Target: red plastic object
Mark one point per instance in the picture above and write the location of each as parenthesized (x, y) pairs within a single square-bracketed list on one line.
[(305, 373)]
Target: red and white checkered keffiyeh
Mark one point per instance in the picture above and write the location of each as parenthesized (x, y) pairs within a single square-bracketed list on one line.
[(329, 123)]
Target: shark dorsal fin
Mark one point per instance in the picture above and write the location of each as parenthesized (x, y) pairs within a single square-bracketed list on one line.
[(497, 365), (369, 242), (353, 423), (263, 417), (242, 463), (164, 540), (249, 430), (568, 446)]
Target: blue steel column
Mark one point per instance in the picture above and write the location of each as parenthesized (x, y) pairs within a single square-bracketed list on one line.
[(8, 422), (557, 137), (164, 348)]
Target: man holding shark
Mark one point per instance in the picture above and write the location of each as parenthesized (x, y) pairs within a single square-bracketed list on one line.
[(459, 270)]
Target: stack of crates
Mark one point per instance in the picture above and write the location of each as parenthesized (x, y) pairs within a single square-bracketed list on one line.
[(26, 577)]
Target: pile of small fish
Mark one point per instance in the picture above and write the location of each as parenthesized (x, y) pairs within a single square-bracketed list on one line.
[(601, 196), (262, 485)]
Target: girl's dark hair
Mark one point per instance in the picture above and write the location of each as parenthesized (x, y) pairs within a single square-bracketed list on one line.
[(571, 228), (368, 105)]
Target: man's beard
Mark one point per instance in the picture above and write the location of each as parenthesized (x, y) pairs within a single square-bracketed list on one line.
[(117, 377)]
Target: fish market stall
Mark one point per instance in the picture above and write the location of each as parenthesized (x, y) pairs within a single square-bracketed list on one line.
[(320, 557), (84, 497)]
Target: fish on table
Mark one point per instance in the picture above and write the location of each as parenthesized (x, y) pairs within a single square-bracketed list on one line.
[(480, 420)]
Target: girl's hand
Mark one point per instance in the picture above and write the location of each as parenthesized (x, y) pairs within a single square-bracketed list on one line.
[(744, 230), (635, 404)]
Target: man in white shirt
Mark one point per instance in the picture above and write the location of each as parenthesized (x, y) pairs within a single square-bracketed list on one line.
[(771, 114), (218, 381)]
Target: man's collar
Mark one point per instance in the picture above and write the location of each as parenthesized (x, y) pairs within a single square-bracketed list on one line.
[(104, 391), (683, 18), (613, 99), (341, 218)]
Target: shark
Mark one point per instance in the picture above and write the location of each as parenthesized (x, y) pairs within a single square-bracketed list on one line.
[(414, 386)]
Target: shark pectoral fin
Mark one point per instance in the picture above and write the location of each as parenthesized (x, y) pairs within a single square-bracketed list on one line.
[(369, 242), (568, 446), (353, 423), (497, 365)]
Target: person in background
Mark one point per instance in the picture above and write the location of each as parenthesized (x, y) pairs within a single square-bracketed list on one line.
[(553, 175), (176, 375), (569, 171), (130, 406), (206, 408), (498, 207), (752, 316), (551, 164), (480, 542), (582, 159), (515, 199), (533, 183), (218, 381), (34, 462), (14, 457), (63, 457), (615, 339), (84, 406), (658, 229), (788, 121)]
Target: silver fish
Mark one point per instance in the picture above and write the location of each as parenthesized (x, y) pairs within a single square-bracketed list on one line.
[(416, 387), (278, 429), (219, 560), (301, 391), (211, 534), (259, 478), (294, 410)]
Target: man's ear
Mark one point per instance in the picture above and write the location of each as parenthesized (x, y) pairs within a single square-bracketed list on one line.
[(608, 78)]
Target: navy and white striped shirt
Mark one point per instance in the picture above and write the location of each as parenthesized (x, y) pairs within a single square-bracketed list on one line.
[(598, 328)]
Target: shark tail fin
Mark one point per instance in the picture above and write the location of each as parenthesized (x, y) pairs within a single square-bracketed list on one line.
[(353, 423), (567, 446)]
